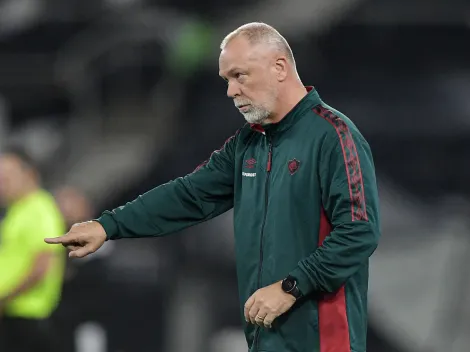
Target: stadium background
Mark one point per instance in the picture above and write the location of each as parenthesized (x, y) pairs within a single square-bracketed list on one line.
[(115, 97)]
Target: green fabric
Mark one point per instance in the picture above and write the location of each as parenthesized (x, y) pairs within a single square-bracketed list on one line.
[(22, 234), (315, 179)]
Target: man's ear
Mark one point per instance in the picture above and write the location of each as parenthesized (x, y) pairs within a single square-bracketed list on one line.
[(281, 67)]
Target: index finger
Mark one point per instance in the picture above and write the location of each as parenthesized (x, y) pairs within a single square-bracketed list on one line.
[(64, 239)]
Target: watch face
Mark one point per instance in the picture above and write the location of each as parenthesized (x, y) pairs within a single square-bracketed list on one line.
[(288, 285)]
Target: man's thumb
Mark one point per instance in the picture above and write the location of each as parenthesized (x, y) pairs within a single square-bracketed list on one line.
[(81, 252)]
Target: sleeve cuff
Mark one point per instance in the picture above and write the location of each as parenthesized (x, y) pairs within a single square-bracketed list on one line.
[(109, 225), (303, 281)]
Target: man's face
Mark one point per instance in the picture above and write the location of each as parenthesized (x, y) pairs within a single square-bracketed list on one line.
[(251, 77), (13, 176)]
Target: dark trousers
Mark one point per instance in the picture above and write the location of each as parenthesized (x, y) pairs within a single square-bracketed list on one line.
[(27, 335)]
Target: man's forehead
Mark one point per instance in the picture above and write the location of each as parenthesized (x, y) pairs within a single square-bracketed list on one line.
[(233, 57), (231, 54), (229, 62)]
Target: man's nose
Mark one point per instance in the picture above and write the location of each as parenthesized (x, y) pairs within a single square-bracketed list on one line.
[(233, 89)]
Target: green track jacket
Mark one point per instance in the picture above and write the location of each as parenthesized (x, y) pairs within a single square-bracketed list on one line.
[(305, 203)]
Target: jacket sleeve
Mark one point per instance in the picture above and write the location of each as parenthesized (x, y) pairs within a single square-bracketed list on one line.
[(350, 203), (180, 203)]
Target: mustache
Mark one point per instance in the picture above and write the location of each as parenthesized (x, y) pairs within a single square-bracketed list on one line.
[(239, 103)]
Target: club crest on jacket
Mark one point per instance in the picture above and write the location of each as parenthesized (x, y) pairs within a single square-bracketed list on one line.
[(293, 166)]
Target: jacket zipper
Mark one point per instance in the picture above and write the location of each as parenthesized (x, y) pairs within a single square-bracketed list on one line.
[(266, 198)]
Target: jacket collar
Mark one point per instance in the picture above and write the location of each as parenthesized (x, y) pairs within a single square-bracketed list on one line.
[(306, 103)]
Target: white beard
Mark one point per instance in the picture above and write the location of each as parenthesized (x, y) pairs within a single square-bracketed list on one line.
[(256, 115)]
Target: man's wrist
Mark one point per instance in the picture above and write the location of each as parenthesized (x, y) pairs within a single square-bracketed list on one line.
[(108, 224), (289, 285), (303, 281)]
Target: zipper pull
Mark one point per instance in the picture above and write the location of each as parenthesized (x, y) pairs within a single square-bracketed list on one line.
[(270, 157)]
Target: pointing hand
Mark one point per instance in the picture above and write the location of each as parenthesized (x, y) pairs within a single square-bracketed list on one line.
[(83, 239)]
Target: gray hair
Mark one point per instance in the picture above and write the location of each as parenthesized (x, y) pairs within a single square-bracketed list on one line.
[(258, 32)]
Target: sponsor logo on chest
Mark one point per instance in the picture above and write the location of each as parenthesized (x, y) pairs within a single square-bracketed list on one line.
[(249, 166)]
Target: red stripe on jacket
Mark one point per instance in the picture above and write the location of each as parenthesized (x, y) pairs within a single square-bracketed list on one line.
[(333, 323), (351, 163)]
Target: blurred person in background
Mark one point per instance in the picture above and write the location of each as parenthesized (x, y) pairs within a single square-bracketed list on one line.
[(301, 179), (73, 204), (75, 207), (31, 273)]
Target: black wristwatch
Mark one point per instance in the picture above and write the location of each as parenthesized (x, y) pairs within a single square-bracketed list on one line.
[(289, 285)]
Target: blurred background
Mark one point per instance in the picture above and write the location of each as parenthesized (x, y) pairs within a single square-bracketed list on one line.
[(115, 97)]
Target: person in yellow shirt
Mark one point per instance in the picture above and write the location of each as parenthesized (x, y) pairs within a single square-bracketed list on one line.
[(31, 272)]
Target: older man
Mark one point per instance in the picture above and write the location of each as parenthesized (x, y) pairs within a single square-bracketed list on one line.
[(300, 177)]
